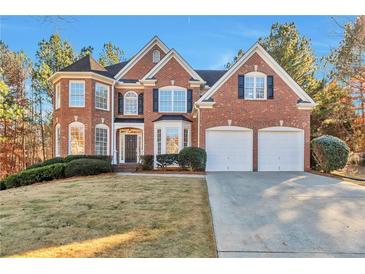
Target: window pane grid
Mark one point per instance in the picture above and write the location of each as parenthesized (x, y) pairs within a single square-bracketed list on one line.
[(186, 137), (77, 94), (172, 100), (77, 140), (101, 141), (131, 103), (101, 97), (158, 141), (172, 140), (254, 87)]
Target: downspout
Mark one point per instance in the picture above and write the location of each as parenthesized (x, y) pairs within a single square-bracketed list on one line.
[(198, 109), (112, 130)]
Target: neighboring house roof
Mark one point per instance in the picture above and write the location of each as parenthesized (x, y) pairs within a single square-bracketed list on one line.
[(154, 41), (171, 117), (114, 69), (87, 64), (173, 54), (257, 48), (129, 120), (211, 76)]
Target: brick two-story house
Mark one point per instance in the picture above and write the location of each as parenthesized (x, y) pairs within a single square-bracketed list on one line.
[(252, 116)]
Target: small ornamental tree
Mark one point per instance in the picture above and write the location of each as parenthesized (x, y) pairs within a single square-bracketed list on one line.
[(330, 152)]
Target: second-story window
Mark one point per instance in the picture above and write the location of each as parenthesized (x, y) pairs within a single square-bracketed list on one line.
[(77, 94), (130, 103), (101, 96), (172, 99), (255, 86), (57, 96)]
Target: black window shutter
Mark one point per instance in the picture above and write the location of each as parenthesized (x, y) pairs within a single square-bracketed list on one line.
[(140, 103), (241, 86), (189, 101), (155, 100), (120, 103), (270, 87)]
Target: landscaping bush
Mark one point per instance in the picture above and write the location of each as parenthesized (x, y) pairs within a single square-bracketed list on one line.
[(48, 162), (84, 167), (70, 158), (164, 160), (31, 176), (330, 152), (147, 162), (194, 158)]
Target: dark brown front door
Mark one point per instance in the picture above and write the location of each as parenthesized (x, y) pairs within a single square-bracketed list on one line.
[(130, 148)]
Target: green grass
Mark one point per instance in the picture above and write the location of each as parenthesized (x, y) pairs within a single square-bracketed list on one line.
[(107, 216)]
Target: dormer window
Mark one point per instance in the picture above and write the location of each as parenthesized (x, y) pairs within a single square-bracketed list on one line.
[(156, 56)]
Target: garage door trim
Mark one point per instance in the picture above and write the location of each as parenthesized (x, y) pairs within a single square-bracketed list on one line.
[(282, 129), (249, 143)]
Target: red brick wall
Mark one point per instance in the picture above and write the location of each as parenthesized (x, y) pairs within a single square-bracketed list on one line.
[(88, 115), (256, 114), (171, 71), (144, 65)]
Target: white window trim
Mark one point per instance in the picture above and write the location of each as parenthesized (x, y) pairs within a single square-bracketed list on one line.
[(57, 145), (108, 97), (69, 92), (172, 88), (79, 125), (156, 56), (189, 136), (124, 103), (163, 126), (58, 96), (103, 126), (254, 75)]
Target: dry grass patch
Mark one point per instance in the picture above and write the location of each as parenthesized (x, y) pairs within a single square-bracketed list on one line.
[(108, 216)]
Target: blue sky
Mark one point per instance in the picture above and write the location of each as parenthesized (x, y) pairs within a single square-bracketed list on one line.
[(206, 42)]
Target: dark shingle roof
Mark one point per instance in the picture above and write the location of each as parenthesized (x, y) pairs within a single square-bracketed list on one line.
[(211, 76), (170, 117), (114, 69), (87, 64), (128, 120)]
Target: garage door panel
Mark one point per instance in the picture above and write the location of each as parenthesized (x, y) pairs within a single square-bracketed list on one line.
[(281, 151), (229, 150)]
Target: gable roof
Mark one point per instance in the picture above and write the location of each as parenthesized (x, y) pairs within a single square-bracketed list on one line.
[(87, 64), (257, 48), (210, 76), (154, 41), (173, 54)]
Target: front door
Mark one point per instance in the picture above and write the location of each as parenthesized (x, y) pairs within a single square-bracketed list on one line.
[(130, 148)]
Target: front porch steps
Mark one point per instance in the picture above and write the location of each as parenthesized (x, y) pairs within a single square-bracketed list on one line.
[(127, 167)]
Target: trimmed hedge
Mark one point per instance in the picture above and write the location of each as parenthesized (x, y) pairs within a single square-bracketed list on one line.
[(35, 175), (330, 152), (164, 160), (70, 158), (84, 167), (48, 162), (194, 158), (147, 162)]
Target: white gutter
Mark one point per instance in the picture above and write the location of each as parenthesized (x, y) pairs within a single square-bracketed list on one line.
[(112, 126)]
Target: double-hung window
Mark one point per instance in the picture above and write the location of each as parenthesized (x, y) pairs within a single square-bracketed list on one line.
[(255, 86), (130, 103), (101, 140), (76, 138), (172, 99), (101, 96), (77, 94), (172, 140), (58, 96)]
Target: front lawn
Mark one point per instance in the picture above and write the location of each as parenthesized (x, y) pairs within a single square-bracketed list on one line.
[(107, 216)]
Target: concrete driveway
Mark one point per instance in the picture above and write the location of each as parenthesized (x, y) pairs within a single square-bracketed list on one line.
[(286, 214)]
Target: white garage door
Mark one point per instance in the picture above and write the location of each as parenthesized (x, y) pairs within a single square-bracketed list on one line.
[(280, 149), (229, 149)]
